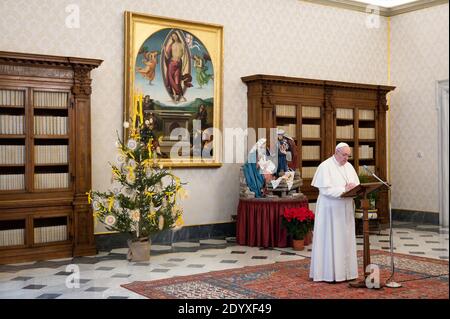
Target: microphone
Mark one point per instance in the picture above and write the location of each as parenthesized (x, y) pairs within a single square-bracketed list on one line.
[(368, 170), (373, 174)]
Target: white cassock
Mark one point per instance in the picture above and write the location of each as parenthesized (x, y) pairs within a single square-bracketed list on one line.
[(333, 256)]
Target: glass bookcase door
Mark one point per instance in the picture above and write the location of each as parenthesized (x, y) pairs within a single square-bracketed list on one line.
[(286, 119), (51, 135), (345, 129), (12, 233), (311, 140), (366, 141), (50, 229), (12, 139)]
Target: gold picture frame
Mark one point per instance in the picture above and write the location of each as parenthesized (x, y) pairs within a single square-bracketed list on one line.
[(173, 82)]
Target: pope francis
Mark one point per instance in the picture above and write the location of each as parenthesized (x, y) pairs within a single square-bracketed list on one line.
[(333, 257)]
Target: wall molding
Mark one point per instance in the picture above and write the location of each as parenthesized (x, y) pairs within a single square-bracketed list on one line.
[(108, 241), (385, 12), (417, 217)]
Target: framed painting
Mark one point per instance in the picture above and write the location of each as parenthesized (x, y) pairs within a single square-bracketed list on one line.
[(173, 84)]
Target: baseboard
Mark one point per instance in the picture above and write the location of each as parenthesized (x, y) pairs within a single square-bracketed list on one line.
[(417, 217), (187, 233)]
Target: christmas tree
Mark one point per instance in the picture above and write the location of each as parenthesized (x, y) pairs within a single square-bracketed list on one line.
[(143, 199)]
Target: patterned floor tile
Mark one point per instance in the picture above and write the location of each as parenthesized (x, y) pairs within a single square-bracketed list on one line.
[(63, 273), (160, 248), (228, 261), (104, 268), (34, 287), (160, 270), (22, 278), (141, 264), (120, 251), (48, 296), (176, 259), (195, 266), (185, 258), (96, 289), (120, 275), (169, 265)]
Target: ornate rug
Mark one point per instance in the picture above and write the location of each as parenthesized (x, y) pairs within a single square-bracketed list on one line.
[(420, 278)]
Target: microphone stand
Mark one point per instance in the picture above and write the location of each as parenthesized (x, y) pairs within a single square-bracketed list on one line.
[(389, 282)]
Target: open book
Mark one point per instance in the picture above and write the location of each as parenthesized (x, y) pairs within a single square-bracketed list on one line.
[(363, 189)]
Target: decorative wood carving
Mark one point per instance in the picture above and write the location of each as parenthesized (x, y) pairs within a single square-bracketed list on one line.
[(27, 72), (267, 90)]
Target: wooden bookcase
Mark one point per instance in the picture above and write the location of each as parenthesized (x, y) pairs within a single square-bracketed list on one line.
[(45, 157), (319, 114)]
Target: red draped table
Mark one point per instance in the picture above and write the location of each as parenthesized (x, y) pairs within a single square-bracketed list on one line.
[(259, 220)]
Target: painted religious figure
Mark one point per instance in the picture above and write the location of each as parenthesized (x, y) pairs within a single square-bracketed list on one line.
[(174, 74)]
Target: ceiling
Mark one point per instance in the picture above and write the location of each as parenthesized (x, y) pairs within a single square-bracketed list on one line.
[(387, 3), (387, 8)]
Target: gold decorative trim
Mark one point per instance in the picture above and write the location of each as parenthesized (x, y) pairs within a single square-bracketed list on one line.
[(388, 126), (385, 12), (138, 26)]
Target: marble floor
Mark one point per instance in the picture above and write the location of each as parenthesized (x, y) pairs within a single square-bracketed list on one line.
[(100, 276)]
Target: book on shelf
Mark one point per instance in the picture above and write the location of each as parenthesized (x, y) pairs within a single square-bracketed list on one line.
[(367, 133), (58, 100), (50, 125), (51, 154), (11, 124), (289, 129), (12, 182), (344, 114), (344, 131), (308, 172), (311, 152), (311, 111), (12, 237), (12, 154), (311, 131), (365, 152), (50, 234), (11, 98), (366, 114), (285, 110), (51, 180)]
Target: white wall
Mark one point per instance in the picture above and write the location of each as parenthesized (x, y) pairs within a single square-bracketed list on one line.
[(420, 57), (288, 37)]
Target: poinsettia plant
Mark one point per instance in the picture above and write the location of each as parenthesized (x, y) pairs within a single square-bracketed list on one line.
[(298, 221)]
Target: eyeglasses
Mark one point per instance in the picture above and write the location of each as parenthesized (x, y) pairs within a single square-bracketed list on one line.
[(345, 154)]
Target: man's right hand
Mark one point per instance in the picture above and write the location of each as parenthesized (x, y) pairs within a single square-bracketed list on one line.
[(349, 186)]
